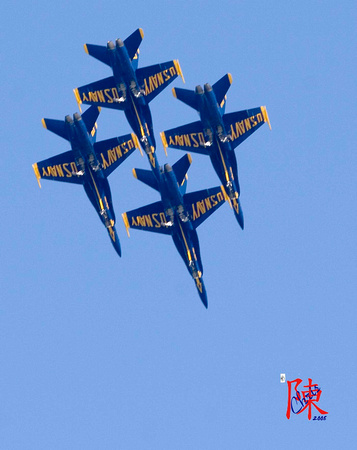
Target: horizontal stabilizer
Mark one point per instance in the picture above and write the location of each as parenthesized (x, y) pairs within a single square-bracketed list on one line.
[(100, 93), (240, 125), (181, 167), (90, 117), (221, 87), (113, 152), (188, 137), (56, 126), (154, 79), (59, 168), (99, 52), (147, 177), (201, 204), (186, 96), (148, 218), (133, 42)]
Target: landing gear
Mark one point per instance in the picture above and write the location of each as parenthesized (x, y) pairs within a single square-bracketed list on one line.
[(122, 91), (223, 137), (208, 137), (232, 194), (183, 217), (137, 93)]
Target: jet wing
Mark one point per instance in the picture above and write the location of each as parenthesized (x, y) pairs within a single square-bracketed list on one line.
[(61, 167), (187, 137), (149, 218), (100, 93), (201, 204), (242, 124), (153, 79), (112, 152)]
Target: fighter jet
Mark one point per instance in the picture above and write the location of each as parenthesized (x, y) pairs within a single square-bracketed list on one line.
[(177, 214), (88, 163), (217, 134), (129, 89)]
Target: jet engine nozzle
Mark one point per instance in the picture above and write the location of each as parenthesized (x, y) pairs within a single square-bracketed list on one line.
[(77, 116), (110, 45), (208, 87), (68, 119), (119, 43), (167, 168), (199, 90)]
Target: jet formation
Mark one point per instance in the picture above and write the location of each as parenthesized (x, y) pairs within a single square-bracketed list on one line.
[(131, 89)]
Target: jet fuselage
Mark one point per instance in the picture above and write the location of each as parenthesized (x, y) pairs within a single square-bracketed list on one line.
[(94, 182), (136, 109)]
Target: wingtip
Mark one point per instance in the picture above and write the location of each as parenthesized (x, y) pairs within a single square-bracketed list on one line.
[(126, 223), (37, 173)]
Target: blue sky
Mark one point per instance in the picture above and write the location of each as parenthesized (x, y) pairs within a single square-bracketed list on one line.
[(101, 352)]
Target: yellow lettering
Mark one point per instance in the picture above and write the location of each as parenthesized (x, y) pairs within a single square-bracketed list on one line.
[(253, 121), (162, 218), (213, 200), (104, 162), (172, 71), (247, 124), (160, 78), (240, 128), (118, 151), (44, 173), (208, 204), (220, 197), (259, 117), (106, 93), (193, 137), (111, 156), (115, 93), (157, 223), (68, 173), (101, 96), (233, 134), (59, 170), (201, 207), (93, 96), (147, 90), (148, 221), (84, 97)]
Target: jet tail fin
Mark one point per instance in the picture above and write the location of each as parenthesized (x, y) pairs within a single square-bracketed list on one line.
[(221, 87), (186, 96), (133, 41), (180, 168), (56, 126), (147, 177), (90, 117)]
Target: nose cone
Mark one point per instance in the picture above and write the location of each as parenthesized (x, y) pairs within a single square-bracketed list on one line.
[(119, 43), (110, 45), (208, 87)]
